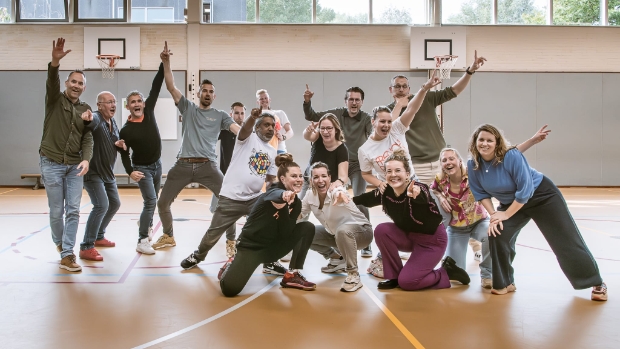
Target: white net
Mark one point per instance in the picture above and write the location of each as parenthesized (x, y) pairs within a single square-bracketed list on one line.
[(107, 64), (445, 65)]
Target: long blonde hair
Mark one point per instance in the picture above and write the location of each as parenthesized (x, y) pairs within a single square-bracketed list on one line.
[(502, 145), (443, 174)]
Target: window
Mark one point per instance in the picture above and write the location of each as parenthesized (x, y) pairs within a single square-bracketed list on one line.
[(613, 9), (100, 10), (342, 11), (400, 12), (250, 10), (571, 12), (206, 12), (532, 12), (5, 11), (158, 11), (466, 11), (42, 10), (285, 11)]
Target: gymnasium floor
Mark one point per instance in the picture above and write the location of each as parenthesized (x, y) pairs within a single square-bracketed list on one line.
[(135, 301)]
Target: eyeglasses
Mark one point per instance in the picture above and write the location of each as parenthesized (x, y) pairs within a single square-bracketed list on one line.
[(354, 100), (108, 103), (326, 129), (399, 87)]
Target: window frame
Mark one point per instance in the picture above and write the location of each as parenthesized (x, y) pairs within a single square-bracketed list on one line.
[(18, 18), (77, 19)]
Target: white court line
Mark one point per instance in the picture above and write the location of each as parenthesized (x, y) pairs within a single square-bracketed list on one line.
[(9, 191), (208, 320)]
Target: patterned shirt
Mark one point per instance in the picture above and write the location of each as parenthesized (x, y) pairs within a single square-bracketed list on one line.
[(465, 209)]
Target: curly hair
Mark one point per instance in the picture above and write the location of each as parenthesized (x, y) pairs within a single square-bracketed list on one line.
[(399, 155)]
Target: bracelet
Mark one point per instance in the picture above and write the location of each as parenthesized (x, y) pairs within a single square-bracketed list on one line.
[(469, 72), (341, 181)]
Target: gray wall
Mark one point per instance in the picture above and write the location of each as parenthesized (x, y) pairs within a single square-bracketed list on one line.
[(22, 113), (581, 109)]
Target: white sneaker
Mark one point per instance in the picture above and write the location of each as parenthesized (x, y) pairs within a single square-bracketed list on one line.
[(404, 255), (145, 247), (231, 248), (352, 283), (151, 233), (335, 265), (287, 258)]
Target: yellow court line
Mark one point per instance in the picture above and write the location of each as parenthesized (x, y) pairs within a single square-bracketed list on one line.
[(394, 320), (9, 191)]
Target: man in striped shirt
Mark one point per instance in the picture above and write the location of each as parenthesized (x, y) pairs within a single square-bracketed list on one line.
[(99, 182)]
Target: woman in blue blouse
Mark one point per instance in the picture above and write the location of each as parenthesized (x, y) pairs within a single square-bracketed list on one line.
[(500, 171)]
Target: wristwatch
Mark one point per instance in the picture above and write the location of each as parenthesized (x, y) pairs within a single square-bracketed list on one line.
[(283, 137)]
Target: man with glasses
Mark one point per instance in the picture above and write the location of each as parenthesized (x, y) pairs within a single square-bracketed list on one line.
[(99, 182), (356, 126)]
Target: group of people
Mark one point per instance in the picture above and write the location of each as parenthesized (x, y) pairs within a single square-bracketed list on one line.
[(435, 199)]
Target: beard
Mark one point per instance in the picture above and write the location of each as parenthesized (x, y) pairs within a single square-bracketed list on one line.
[(264, 137)]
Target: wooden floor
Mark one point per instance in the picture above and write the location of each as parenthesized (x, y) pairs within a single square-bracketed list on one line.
[(135, 301)]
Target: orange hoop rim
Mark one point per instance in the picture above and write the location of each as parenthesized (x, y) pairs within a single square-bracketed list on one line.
[(112, 59)]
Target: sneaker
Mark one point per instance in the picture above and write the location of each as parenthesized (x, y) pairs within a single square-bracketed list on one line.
[(104, 243), (298, 281), (231, 248), (190, 262), (274, 268), (335, 265), (287, 258), (164, 240), (91, 255), (59, 248), (509, 288), (486, 283), (144, 247), (224, 267), (454, 272), (376, 268), (366, 252), (599, 293), (404, 255), (352, 283), (68, 263)]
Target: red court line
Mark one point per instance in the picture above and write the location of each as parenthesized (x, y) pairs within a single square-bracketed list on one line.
[(544, 249)]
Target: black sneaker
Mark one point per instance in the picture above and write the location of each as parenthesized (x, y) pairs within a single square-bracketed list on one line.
[(189, 262), (454, 272), (274, 268)]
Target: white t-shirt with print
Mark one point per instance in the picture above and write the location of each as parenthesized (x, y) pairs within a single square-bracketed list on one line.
[(283, 119), (252, 160), (372, 154)]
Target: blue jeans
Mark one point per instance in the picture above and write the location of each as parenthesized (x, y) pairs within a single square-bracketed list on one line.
[(458, 241), (106, 202), (149, 188), (64, 193)]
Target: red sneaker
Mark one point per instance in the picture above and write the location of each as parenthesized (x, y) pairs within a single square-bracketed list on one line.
[(298, 281), (91, 255), (224, 267), (104, 243)]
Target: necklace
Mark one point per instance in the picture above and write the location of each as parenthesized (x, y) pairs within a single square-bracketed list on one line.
[(487, 167)]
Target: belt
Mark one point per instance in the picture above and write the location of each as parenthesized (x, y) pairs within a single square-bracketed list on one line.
[(194, 160)]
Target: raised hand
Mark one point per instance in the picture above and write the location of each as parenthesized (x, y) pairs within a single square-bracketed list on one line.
[(58, 51), (312, 127), (121, 144), (308, 94), (541, 135), (478, 62), (87, 115), (256, 113), (165, 54), (432, 82)]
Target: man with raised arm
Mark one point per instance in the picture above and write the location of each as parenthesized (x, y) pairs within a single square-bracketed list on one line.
[(99, 182), (196, 161), (357, 127), (65, 152), (252, 165), (424, 137), (141, 135)]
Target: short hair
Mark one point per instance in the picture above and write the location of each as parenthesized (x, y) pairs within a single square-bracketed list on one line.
[(135, 93), (379, 109), (77, 71), (206, 82), (260, 92), (103, 93), (262, 117), (399, 77), (237, 104), (353, 89)]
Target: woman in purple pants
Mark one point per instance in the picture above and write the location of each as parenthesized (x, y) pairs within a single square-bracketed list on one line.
[(416, 228)]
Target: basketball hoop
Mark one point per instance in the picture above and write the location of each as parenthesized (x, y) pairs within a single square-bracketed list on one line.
[(444, 65), (107, 64)]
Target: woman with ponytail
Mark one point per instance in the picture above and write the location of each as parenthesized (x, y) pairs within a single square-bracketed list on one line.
[(270, 231)]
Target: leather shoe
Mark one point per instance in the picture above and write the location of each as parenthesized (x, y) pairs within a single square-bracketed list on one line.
[(454, 272), (388, 284)]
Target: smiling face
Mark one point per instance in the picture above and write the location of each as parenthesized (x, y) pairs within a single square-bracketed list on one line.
[(106, 105), (450, 162), (263, 101), (293, 180), (135, 105), (382, 125), (75, 85), (354, 103), (327, 131), (485, 144), (396, 175), (321, 180)]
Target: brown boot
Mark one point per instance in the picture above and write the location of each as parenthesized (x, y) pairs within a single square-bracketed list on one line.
[(68, 263)]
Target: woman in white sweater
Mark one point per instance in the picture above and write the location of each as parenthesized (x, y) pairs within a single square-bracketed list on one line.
[(343, 230)]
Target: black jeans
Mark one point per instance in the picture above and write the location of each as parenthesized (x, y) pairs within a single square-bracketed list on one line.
[(246, 261), (549, 211)]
